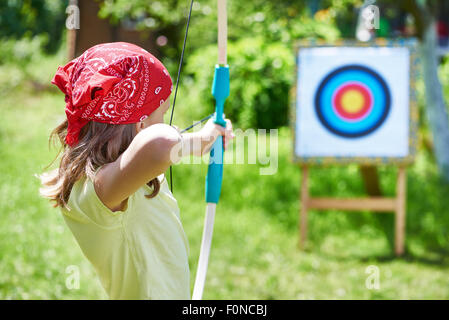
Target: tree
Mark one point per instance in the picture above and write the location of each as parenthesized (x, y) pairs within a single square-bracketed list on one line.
[(425, 14), (28, 18)]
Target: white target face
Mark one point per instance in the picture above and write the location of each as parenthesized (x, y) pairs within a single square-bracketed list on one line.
[(352, 102)]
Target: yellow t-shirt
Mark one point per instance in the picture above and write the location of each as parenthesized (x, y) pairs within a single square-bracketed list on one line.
[(139, 253)]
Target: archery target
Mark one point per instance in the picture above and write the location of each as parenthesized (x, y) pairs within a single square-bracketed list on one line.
[(352, 102)]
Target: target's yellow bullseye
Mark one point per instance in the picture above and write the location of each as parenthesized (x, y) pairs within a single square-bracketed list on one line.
[(352, 101)]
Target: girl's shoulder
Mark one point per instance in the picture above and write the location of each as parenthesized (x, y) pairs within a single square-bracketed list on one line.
[(85, 205)]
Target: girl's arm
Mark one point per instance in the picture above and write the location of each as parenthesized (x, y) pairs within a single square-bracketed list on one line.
[(152, 151), (147, 157), (199, 143)]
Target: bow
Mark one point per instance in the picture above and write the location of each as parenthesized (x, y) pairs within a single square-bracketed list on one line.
[(220, 91)]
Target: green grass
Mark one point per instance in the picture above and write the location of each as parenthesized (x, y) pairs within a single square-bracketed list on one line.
[(254, 251)]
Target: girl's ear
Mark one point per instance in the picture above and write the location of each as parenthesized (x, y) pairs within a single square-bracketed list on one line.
[(139, 126)]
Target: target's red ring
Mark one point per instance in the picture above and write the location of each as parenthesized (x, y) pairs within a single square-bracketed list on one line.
[(359, 108)]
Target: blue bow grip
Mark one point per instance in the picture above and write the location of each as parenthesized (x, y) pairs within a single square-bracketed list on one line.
[(220, 91)]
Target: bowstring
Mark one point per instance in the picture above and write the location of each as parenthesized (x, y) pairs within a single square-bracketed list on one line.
[(177, 80), (198, 122)]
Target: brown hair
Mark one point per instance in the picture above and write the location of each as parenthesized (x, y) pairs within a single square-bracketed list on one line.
[(99, 144)]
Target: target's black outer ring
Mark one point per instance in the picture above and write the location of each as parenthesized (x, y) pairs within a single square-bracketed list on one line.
[(368, 130)]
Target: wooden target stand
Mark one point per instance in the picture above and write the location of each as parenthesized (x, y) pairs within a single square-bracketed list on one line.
[(396, 205), (308, 62)]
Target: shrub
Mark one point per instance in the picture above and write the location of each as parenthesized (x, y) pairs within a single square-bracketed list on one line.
[(261, 76)]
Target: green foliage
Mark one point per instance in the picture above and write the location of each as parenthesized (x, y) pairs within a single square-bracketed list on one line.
[(281, 21), (444, 76), (345, 13), (21, 52), (146, 14), (27, 18), (161, 18), (23, 63), (261, 76)]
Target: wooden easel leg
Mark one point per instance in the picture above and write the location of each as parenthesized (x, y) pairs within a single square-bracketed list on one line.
[(371, 180), (303, 209), (400, 210)]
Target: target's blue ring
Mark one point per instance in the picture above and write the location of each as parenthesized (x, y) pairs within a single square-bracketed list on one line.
[(358, 74)]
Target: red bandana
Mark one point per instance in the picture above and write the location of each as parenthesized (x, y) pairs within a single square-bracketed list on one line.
[(114, 83)]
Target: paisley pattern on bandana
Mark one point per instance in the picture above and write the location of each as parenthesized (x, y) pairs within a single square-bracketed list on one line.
[(116, 83)]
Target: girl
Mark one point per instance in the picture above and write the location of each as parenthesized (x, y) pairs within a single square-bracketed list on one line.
[(110, 184)]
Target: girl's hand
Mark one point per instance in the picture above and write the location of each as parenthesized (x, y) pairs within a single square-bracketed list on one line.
[(211, 131)]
